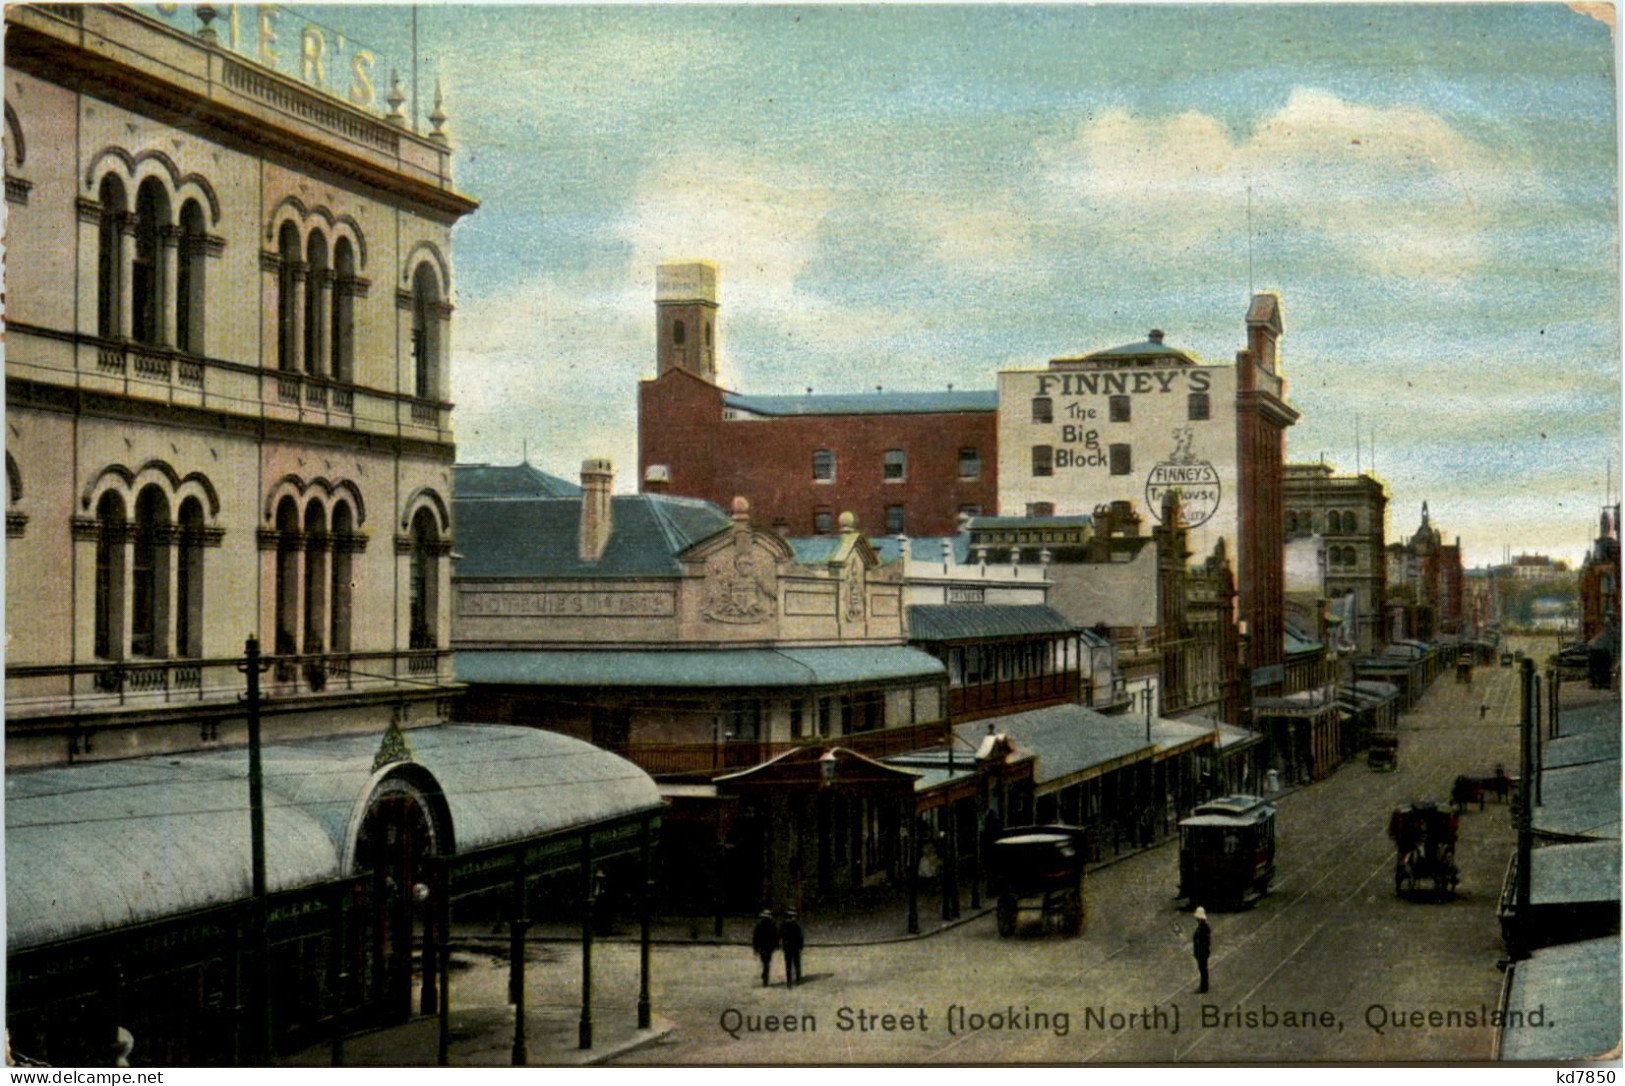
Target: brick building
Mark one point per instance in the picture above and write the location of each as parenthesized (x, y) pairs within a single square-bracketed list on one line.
[(1426, 585), (901, 462)]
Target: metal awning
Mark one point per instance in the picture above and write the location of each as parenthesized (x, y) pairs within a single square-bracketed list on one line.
[(1576, 989), (697, 668), (102, 846)]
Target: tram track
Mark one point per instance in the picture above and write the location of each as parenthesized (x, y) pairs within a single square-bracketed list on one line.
[(1342, 843)]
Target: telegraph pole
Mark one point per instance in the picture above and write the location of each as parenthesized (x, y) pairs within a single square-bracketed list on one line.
[(1526, 794), (260, 1047)]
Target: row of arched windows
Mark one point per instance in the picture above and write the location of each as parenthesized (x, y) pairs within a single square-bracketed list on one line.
[(1338, 522), (163, 551), (152, 280), (149, 565), (150, 267), (316, 304), (1342, 557)]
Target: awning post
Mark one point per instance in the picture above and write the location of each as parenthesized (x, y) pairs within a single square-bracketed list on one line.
[(645, 863)]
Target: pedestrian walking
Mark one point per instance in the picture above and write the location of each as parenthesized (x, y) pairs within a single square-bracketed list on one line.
[(793, 939), (766, 940), (1202, 945)]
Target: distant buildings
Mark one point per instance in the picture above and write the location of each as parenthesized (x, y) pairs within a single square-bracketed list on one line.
[(1350, 512), (1599, 580), (1426, 586)]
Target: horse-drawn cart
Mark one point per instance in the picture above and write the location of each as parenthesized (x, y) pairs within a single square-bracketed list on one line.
[(1384, 751), (1040, 868), (1425, 848)]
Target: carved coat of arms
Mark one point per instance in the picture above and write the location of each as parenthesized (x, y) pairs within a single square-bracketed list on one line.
[(741, 585)]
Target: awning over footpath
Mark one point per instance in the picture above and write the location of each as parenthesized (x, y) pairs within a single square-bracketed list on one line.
[(980, 621), (1579, 801), (95, 847), (1582, 873), (697, 668), (1072, 744), (1575, 987)]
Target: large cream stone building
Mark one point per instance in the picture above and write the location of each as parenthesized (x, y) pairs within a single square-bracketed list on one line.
[(228, 303)]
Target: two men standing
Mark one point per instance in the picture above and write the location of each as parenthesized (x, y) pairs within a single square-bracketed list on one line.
[(769, 936)]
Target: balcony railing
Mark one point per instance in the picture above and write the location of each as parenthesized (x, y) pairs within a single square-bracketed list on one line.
[(51, 690)]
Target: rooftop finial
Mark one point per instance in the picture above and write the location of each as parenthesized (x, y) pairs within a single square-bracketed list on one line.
[(437, 119), (396, 100), (206, 14)]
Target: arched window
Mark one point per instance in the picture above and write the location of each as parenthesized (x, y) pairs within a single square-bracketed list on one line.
[(287, 578), (147, 275), (426, 332), (189, 292), (189, 581), (149, 575), (316, 543), (317, 290), (425, 581), (343, 529), (109, 259), (1351, 524), (679, 333), (287, 315), (343, 334), (110, 535)]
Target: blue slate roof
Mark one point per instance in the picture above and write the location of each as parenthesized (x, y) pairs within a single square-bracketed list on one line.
[(696, 668), (509, 481), (868, 403), (105, 845), (924, 548), (1072, 743), (1577, 984), (812, 550), (975, 621), (541, 537)]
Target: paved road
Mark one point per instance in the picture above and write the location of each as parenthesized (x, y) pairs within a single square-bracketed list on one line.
[(1331, 946)]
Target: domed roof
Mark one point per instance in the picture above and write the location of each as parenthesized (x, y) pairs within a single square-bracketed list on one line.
[(1152, 350)]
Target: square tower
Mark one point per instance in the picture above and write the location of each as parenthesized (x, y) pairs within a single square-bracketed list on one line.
[(686, 318)]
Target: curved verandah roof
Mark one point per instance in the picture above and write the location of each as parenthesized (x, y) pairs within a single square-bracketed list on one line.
[(101, 846)]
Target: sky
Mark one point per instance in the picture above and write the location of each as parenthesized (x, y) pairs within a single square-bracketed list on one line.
[(922, 196)]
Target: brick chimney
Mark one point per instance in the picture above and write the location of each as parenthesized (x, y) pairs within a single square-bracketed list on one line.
[(657, 479), (597, 477)]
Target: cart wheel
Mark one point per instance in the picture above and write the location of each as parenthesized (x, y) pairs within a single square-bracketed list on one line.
[(1007, 914), (1072, 914)]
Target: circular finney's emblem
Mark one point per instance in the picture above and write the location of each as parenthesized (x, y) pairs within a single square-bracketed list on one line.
[(1198, 485)]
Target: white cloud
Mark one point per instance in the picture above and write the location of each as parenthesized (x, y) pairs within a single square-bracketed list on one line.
[(1396, 188)]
